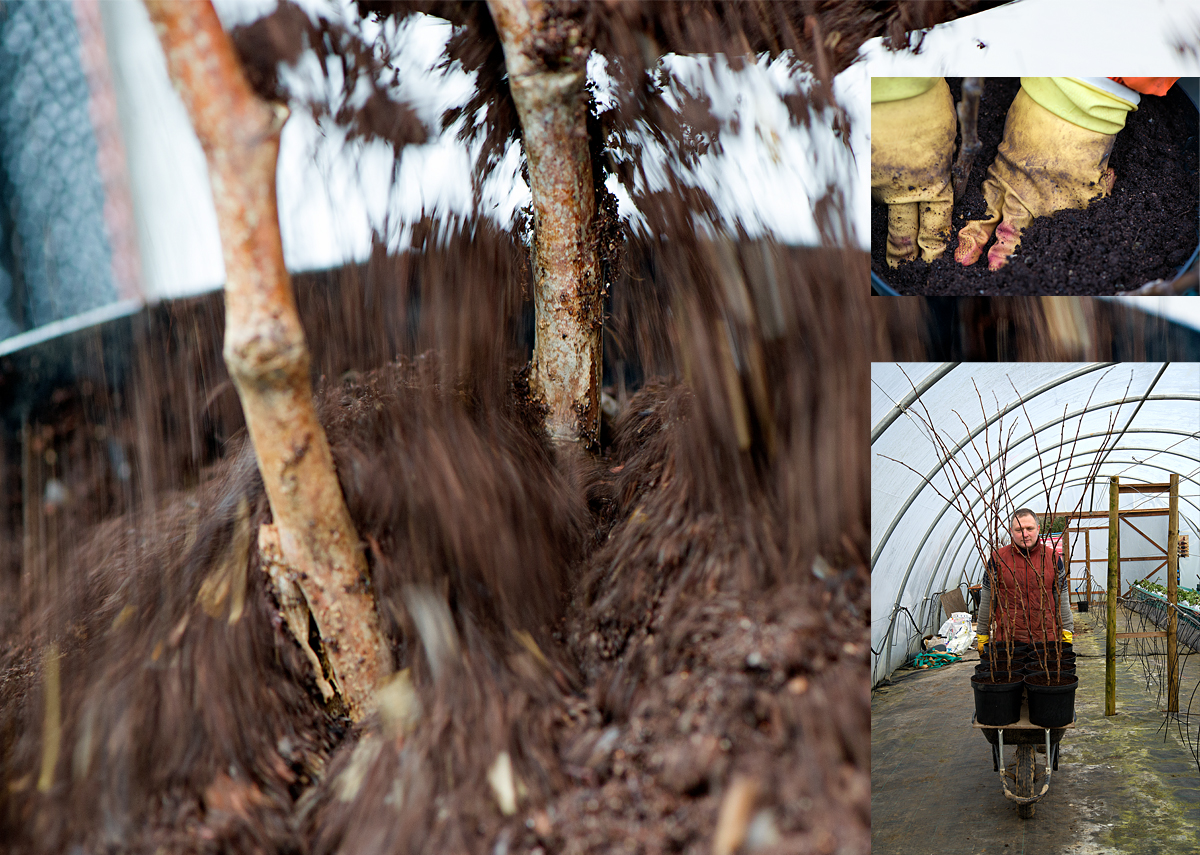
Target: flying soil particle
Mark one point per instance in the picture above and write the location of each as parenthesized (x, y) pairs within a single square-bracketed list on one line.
[(581, 594)]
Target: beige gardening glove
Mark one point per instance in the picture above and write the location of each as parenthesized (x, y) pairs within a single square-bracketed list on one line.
[(1057, 138), (912, 144)]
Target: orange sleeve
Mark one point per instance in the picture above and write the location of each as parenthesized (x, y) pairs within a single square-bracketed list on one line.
[(1147, 85)]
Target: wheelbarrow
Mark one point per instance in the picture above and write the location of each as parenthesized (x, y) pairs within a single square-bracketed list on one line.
[(1025, 737)]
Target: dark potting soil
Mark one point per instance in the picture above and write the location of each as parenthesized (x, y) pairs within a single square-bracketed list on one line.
[(690, 666), (1144, 231), (996, 680), (1049, 680)]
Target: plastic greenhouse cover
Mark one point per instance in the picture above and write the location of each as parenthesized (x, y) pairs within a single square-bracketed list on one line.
[(920, 544)]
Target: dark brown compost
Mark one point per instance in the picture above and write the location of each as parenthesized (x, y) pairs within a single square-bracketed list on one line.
[(661, 648), (1145, 230)]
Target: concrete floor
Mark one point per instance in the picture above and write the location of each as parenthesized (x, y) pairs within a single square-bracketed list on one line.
[(1125, 785)]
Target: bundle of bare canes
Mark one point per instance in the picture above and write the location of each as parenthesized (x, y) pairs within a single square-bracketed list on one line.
[(975, 471)]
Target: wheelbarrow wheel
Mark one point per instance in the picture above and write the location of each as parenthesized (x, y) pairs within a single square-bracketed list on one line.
[(1025, 769)]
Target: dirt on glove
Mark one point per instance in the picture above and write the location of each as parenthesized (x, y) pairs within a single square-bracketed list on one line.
[(1144, 231)]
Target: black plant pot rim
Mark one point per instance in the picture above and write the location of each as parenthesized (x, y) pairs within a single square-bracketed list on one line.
[(1065, 672), (1064, 687), (985, 686)]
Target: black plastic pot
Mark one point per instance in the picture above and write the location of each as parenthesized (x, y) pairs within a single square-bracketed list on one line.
[(1051, 667), (1001, 665), (986, 671), (1051, 670), (1052, 706), (878, 286), (1083, 606), (1043, 651), (997, 703), (1020, 649)]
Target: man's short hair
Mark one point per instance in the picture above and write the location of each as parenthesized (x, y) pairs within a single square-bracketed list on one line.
[(1026, 512)]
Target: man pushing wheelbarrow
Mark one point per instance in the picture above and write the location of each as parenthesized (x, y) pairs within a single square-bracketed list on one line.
[(1025, 682)]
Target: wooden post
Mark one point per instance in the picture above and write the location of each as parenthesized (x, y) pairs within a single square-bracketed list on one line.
[(1066, 542), (312, 536), (568, 297), (1087, 554), (1172, 597), (1114, 582)]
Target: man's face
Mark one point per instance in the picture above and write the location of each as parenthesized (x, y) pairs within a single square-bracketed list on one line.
[(1025, 531)]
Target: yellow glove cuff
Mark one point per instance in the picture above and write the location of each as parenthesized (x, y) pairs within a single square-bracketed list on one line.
[(1068, 636), (899, 88), (1079, 103)]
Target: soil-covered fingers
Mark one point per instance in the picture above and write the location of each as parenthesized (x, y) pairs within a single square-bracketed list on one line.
[(1008, 233), (917, 227), (934, 230), (903, 225), (973, 237)]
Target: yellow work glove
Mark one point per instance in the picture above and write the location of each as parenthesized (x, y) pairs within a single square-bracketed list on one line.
[(1068, 636), (1057, 138), (912, 145), (983, 640)]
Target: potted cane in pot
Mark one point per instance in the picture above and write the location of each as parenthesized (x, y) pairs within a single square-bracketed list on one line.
[(1051, 693), (998, 693)]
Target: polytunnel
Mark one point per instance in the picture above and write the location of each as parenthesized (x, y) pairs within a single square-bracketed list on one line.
[(1055, 432), (1081, 738)]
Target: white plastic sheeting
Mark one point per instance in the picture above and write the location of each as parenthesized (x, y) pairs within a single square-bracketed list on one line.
[(921, 545)]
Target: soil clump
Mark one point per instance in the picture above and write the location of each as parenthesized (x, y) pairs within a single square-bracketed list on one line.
[(625, 645)]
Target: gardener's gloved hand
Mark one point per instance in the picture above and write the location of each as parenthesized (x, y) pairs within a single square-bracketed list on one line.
[(1068, 636), (912, 143), (983, 640), (1057, 138)]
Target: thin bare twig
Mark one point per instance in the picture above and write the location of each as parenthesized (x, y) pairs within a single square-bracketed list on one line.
[(968, 123)]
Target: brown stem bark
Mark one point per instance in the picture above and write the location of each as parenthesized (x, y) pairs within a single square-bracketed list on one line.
[(1068, 326), (1188, 281), (568, 299), (968, 123), (267, 355), (1114, 587)]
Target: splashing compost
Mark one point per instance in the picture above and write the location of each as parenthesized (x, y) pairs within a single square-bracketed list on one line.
[(659, 642)]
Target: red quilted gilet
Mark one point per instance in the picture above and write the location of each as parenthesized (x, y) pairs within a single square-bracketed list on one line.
[(1023, 601)]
